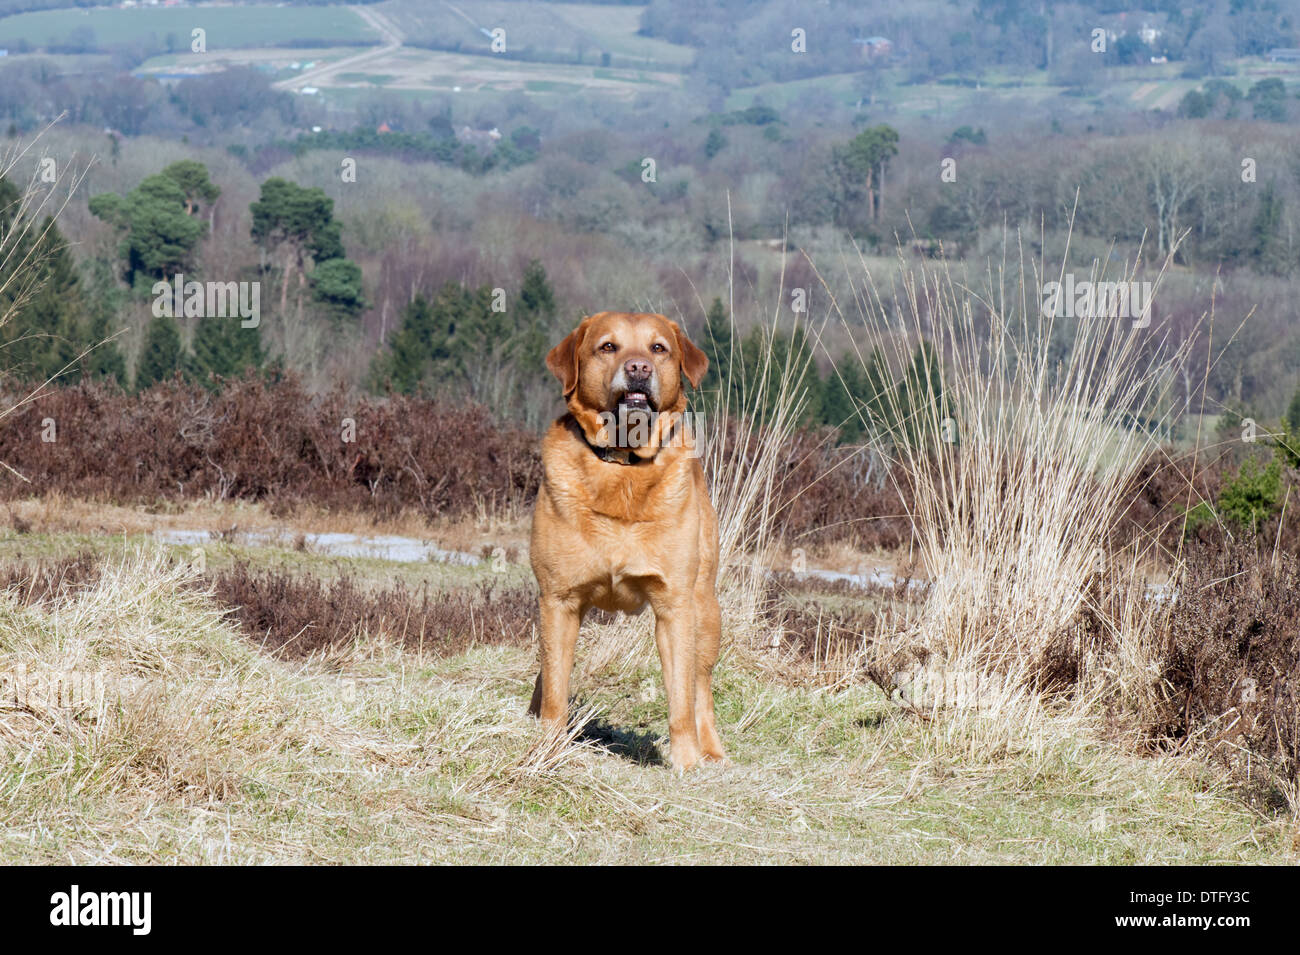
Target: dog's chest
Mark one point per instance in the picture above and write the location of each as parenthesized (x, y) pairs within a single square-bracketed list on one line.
[(641, 494), (632, 536)]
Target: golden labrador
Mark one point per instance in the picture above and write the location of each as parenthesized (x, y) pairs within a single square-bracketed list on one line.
[(623, 517)]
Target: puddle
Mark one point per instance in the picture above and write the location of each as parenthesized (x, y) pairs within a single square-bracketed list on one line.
[(875, 578), (412, 550), (400, 550)]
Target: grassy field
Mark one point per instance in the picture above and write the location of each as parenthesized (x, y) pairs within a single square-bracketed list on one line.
[(569, 31), (614, 28), (205, 750), (227, 27), (949, 98), (277, 56), (425, 72)]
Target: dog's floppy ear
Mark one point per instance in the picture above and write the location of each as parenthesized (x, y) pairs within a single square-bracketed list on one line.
[(694, 362), (562, 360)]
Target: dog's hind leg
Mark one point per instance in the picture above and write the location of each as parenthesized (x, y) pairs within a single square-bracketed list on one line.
[(535, 706), (708, 636)]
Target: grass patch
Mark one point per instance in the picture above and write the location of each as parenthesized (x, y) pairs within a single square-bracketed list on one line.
[(206, 751), (375, 79), (227, 27)]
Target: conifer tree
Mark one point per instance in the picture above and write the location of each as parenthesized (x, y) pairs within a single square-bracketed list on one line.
[(161, 354), (535, 317), (223, 347)]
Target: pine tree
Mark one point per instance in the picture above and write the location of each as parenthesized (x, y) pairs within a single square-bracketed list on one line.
[(714, 143), (534, 319), (790, 356), (920, 394), (717, 344), (40, 286), (48, 339), (875, 394), (1265, 247), (405, 363), (446, 362), (55, 323), (223, 347), (799, 355), (717, 339), (158, 235), (844, 396), (536, 297), (104, 360), (161, 354)]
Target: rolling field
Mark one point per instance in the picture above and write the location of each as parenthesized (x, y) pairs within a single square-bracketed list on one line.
[(280, 60), (552, 50), (412, 71), (641, 64), (561, 31), (227, 27)]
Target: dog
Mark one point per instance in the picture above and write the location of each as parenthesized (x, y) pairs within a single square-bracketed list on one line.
[(623, 517)]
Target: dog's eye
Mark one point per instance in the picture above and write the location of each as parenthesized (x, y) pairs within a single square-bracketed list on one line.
[(658, 348), (609, 346)]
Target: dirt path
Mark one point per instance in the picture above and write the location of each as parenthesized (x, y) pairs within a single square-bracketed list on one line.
[(392, 38)]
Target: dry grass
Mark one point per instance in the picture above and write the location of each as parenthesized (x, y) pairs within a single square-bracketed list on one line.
[(1018, 465), (57, 513), (1017, 437), (201, 749), (1021, 465)]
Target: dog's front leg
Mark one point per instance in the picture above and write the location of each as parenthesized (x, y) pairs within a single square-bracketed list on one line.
[(559, 625), (675, 635)]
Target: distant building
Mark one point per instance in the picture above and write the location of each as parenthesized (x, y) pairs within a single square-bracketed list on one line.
[(1284, 55), (873, 47), (478, 137)]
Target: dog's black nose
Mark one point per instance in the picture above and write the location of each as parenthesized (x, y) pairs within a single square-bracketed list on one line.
[(637, 368)]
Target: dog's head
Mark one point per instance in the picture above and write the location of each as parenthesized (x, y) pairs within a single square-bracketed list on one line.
[(618, 361)]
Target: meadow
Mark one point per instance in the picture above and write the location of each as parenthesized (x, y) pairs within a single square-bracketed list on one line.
[(227, 27), (188, 741)]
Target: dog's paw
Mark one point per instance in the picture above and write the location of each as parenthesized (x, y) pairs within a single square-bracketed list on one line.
[(683, 759)]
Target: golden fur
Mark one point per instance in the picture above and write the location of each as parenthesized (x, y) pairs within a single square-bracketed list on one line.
[(635, 529)]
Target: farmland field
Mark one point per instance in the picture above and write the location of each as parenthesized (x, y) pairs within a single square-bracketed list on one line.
[(467, 66), (562, 31), (427, 71), (227, 26)]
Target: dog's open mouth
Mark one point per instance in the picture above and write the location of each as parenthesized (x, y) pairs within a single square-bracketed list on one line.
[(636, 399)]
